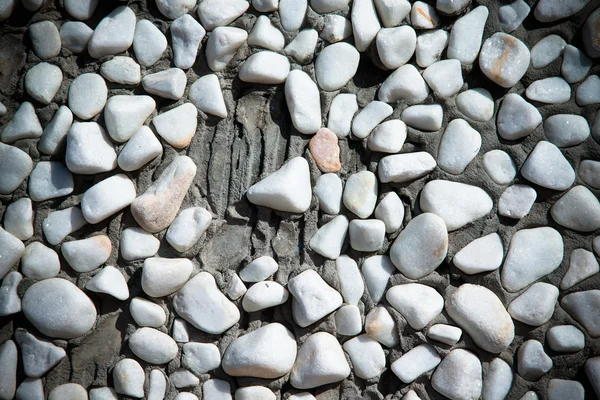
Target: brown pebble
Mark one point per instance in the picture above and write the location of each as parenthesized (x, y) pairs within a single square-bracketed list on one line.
[(325, 150)]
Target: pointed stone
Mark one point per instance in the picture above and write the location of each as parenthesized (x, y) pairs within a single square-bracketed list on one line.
[(109, 281), (169, 83), (124, 115), (23, 125), (149, 43), (466, 35), (313, 298), (222, 45), (43, 81), (186, 35), (547, 166), (207, 96), (104, 42), (178, 125), (329, 239), (38, 356), (481, 255), (578, 209), (89, 149)]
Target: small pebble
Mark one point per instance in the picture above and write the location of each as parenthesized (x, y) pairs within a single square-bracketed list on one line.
[(128, 377), (8, 369), (186, 35), (103, 393), (259, 269), (575, 65), (254, 393), (582, 306), (136, 243), (416, 362), (86, 255), (458, 376), (147, 313), (535, 306), (104, 42), (139, 150), (262, 295), (216, 389), (367, 356), (335, 66), (236, 288), (87, 95), (578, 209), (553, 10), (39, 262), (430, 46), (566, 130), (313, 299), (516, 201), (122, 70), (395, 46), (325, 150), (512, 15), (565, 339), (45, 39), (390, 211), (183, 378), (446, 334), (328, 191), (392, 12), (302, 98), (187, 228), (81, 9), (31, 389), (341, 111), (75, 36), (504, 59), (265, 5), (517, 118), (424, 117), (164, 276), (201, 358), (460, 144), (565, 389), (11, 250), (330, 237), (302, 48), (72, 391), (153, 346), (336, 28), (483, 254), (351, 283), (590, 33), (377, 271), (207, 96), (360, 193), (547, 166), (423, 16), (466, 35), (499, 166), (174, 9), (588, 91), (169, 83), (265, 35), (589, 172), (53, 138), (38, 356), (419, 304), (265, 67), (107, 197), (405, 83), (43, 81), (547, 50), (23, 125), (532, 361), (498, 380), (158, 385), (380, 325), (109, 281), (124, 115), (215, 13), (180, 331), (365, 24), (18, 219), (60, 224), (348, 321), (444, 78), (476, 104), (222, 45), (10, 303), (149, 43), (554, 90)]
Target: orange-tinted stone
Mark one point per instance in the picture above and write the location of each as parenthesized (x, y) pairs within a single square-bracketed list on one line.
[(325, 150)]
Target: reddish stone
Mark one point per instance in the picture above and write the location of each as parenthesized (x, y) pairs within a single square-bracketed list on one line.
[(325, 150)]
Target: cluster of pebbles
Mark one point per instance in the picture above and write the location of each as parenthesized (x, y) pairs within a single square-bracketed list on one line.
[(406, 287)]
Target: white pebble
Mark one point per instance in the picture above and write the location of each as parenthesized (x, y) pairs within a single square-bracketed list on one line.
[(103, 393), (265, 35), (178, 125), (341, 111), (153, 346), (45, 39), (328, 191), (365, 24), (458, 376), (480, 255), (265, 67), (499, 166), (23, 125), (265, 5), (589, 91), (369, 117), (136, 243), (335, 66), (169, 83), (351, 283), (149, 43), (75, 36), (578, 209), (174, 9), (336, 28), (87, 95), (430, 46), (563, 389), (451, 6), (81, 9), (10, 302), (582, 307), (424, 117), (476, 104), (200, 358), (547, 166), (553, 10), (142, 148), (380, 325), (262, 295), (377, 271), (18, 219), (9, 358), (147, 313), (423, 16), (575, 65), (222, 45), (390, 211), (392, 12), (259, 269), (532, 361), (405, 167), (512, 15), (498, 380), (128, 376), (187, 228), (50, 179), (59, 224), (302, 48), (446, 334), (406, 83), (517, 118), (216, 389), (43, 81), (214, 13), (104, 42), (328, 6), (313, 298), (164, 276), (53, 138), (367, 356), (547, 50), (416, 362), (235, 288), (582, 265), (107, 197), (360, 193), (186, 35), (419, 304), (72, 391), (504, 59), (348, 321), (182, 378), (554, 90), (589, 172), (396, 46), (180, 331), (122, 70), (535, 306), (39, 262), (302, 98), (466, 35), (566, 130), (86, 255), (444, 78), (109, 281), (366, 235), (460, 144), (565, 338)]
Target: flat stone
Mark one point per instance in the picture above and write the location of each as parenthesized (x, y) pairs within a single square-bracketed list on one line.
[(302, 98), (532, 361), (423, 16), (86, 255), (265, 67), (336, 28), (54, 136), (178, 125), (107, 197), (254, 393), (38, 356), (419, 304), (380, 325), (405, 83), (328, 191), (366, 235), (264, 34), (341, 111), (348, 320), (87, 95), (533, 253), (186, 35), (89, 149), (421, 246), (16, 166), (39, 262), (103, 393), (169, 83), (582, 306), (369, 117), (136, 243), (153, 346), (201, 303), (188, 227), (222, 45), (8, 369), (365, 24), (416, 362), (395, 46), (60, 224), (45, 39), (517, 118), (265, 5), (565, 389), (582, 265), (554, 90), (547, 166), (259, 269), (235, 288), (466, 35), (263, 295), (430, 46), (444, 78), (367, 356), (499, 166), (59, 309), (75, 35), (424, 117), (390, 211), (50, 179), (566, 130), (149, 43), (547, 50), (42, 82), (575, 65), (109, 281), (122, 70), (200, 358), (302, 48), (313, 298), (388, 137), (216, 389), (292, 14), (553, 10), (512, 15), (23, 125), (458, 376), (164, 276), (124, 115), (350, 279), (214, 13), (329, 239), (10, 303), (392, 12), (182, 378), (328, 6), (335, 65), (483, 254), (479, 312), (158, 385), (377, 271), (207, 96), (360, 193), (73, 391), (30, 389), (128, 376), (498, 380), (535, 306), (578, 209), (142, 148), (446, 334), (504, 59), (18, 219), (588, 91), (147, 313), (460, 144), (565, 339), (81, 9), (104, 42), (174, 9)]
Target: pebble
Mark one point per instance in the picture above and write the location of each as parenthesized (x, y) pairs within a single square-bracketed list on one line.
[(182, 378), (142, 148), (365, 24), (499, 166), (395, 46), (186, 35), (259, 269), (16, 166), (71, 391), (547, 50), (424, 117), (200, 358), (6, 10), (180, 331), (235, 288), (390, 211), (58, 309), (302, 396), (201, 303), (366, 355), (54, 136), (421, 246), (186, 396), (565, 389), (45, 39), (360, 193), (122, 70), (512, 15), (153, 346), (590, 33), (588, 91), (222, 45), (341, 111), (377, 271), (456, 203), (460, 144), (553, 10), (313, 299), (103, 393), (18, 219), (128, 378), (483, 254), (466, 35), (136, 243), (418, 304), (504, 59), (430, 46), (565, 339), (216, 389), (60, 224), (554, 90), (107, 197), (207, 96), (109, 281), (39, 262), (335, 66), (157, 386), (582, 265), (147, 313), (81, 9), (392, 12), (38, 356), (158, 206), (149, 43), (266, 67), (268, 352), (530, 395), (8, 369), (86, 255), (444, 78), (575, 65), (411, 395), (479, 312), (366, 235), (446, 334), (87, 95), (254, 393), (336, 28), (566, 130), (458, 376), (302, 98), (302, 48), (451, 6), (592, 370), (350, 279), (75, 36), (533, 253), (264, 295), (169, 83), (348, 321), (369, 117), (48, 180), (535, 306), (23, 125), (416, 362), (532, 361), (11, 250), (31, 389), (265, 5), (187, 228), (215, 13), (578, 209), (423, 16), (174, 9), (42, 82), (320, 361), (517, 118), (380, 325), (104, 42), (405, 83), (10, 303), (328, 191), (498, 380), (329, 239), (547, 166), (265, 35), (164, 276)]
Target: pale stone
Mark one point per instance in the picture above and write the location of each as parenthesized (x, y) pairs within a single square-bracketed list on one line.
[(424, 117), (89, 149), (329, 239), (532, 362), (180, 331), (222, 45), (313, 298), (517, 118), (446, 334), (207, 96), (292, 14), (18, 218), (103, 393), (178, 125), (348, 321), (405, 83), (444, 78), (547, 166), (8, 367), (483, 254), (104, 42), (565, 389), (388, 137), (566, 130), (423, 16), (259, 269), (186, 35), (157, 386), (109, 281), (430, 46), (582, 265), (302, 48), (10, 303), (476, 104), (153, 346), (136, 243), (265, 35), (147, 313), (31, 389), (214, 13), (265, 67), (265, 5), (405, 167), (87, 95), (360, 193), (149, 43), (351, 283), (395, 46), (451, 6), (588, 91), (554, 90), (578, 209), (200, 358), (50, 179), (377, 271), (535, 306), (460, 144), (188, 227), (553, 10), (216, 389), (504, 59), (182, 378), (235, 288), (498, 380), (366, 235), (54, 136), (367, 356), (302, 98), (341, 111), (590, 34), (335, 65), (124, 115), (416, 362), (365, 24), (336, 28), (174, 9), (45, 39), (169, 83), (575, 65), (122, 70), (499, 166), (328, 6), (262, 295), (390, 211), (512, 15), (565, 338), (39, 262), (75, 35), (328, 191), (458, 376), (380, 325), (23, 125), (107, 197), (547, 50), (164, 276), (73, 391), (466, 35), (43, 81), (142, 148), (369, 117), (418, 304), (59, 224), (254, 393), (86, 255), (128, 377)]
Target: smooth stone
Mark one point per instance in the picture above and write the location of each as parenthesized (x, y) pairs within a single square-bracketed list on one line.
[(75, 36), (186, 35), (421, 246), (177, 125), (390, 211), (313, 298), (81, 9), (59, 309), (380, 325), (451, 6), (153, 346), (50, 179), (533, 254), (590, 34), (565, 389), (565, 339), (582, 306), (60, 224), (547, 50), (444, 78), (483, 254), (158, 206), (418, 304), (169, 83), (302, 98), (147, 313), (499, 166), (174, 9), (366, 235), (423, 16), (186, 396), (328, 6), (259, 269), (411, 395), (392, 12), (18, 218), (416, 362), (578, 209), (164, 276), (54, 136), (377, 271), (458, 376), (263, 295), (216, 389), (575, 65), (267, 352), (45, 39), (207, 96), (222, 45), (460, 144), (254, 393), (39, 262), (588, 91), (10, 303), (350, 279), (142, 148), (517, 118), (109, 281), (336, 28), (6, 10), (128, 376), (395, 46), (367, 356), (103, 393), (23, 125), (38, 356), (214, 13), (405, 83), (43, 81), (504, 59), (71, 391), (388, 137), (158, 385), (479, 312), (136, 243), (365, 24), (424, 117), (348, 321), (302, 396), (566, 130), (512, 15), (302, 48), (466, 35), (87, 95), (554, 90), (532, 361), (582, 265), (446, 334), (8, 370), (329, 238), (360, 193), (553, 10), (456, 203), (149, 43), (30, 389), (264, 34), (547, 166), (535, 306), (180, 331), (183, 378), (369, 117), (265, 5), (122, 70), (200, 358), (498, 380), (104, 42), (328, 191), (265, 67), (188, 227), (335, 66), (235, 288), (292, 14), (107, 197), (530, 395), (592, 370), (430, 46), (86, 255), (341, 111), (201, 303), (89, 149)]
